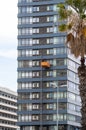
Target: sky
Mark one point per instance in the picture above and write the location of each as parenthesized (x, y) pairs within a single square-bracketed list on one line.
[(8, 44)]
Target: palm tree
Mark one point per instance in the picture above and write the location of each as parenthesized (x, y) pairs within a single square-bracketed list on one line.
[(72, 15)]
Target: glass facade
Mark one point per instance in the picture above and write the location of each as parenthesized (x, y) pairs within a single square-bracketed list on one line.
[(47, 97)]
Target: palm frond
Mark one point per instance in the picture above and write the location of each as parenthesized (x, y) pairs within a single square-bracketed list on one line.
[(84, 31), (75, 25), (70, 38)]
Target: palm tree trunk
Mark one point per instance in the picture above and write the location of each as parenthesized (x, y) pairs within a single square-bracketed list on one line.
[(82, 88)]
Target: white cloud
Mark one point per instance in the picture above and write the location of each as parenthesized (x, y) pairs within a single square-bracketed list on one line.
[(8, 54)]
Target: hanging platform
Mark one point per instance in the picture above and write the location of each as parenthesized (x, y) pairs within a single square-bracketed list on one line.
[(45, 64)]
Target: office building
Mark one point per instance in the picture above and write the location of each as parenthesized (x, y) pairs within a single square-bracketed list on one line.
[(8, 109), (48, 95)]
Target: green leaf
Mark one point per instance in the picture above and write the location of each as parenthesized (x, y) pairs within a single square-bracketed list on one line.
[(62, 28), (61, 5), (62, 14), (69, 26)]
